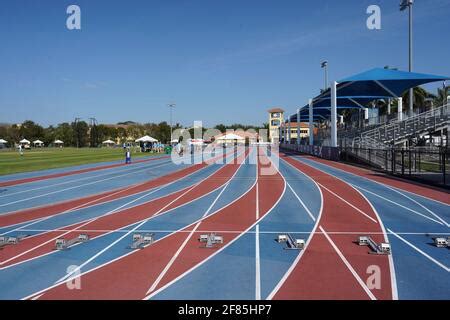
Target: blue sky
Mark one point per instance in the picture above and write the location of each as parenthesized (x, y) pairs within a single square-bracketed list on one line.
[(219, 61)]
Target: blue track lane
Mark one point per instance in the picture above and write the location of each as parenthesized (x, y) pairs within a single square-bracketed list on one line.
[(231, 273), (50, 191), (53, 266), (417, 276), (40, 173), (98, 210)]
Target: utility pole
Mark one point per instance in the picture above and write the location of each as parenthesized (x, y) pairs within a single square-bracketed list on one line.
[(94, 133), (77, 134), (171, 107)]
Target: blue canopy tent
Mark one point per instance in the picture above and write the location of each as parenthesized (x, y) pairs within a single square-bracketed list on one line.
[(381, 82), (373, 84), (322, 107)]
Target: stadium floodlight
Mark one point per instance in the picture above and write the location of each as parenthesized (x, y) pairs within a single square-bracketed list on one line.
[(405, 4), (324, 65)]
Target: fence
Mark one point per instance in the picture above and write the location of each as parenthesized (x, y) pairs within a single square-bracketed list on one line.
[(428, 165), (425, 164)]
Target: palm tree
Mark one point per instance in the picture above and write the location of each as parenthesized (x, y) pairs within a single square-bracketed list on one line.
[(419, 97), (441, 98)]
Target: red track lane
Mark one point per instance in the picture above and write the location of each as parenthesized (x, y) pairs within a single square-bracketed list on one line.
[(69, 173), (116, 220), (411, 186), (321, 273), (42, 212), (114, 281)]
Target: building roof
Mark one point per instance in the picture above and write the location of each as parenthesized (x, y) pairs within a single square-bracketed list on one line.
[(294, 124), (275, 110), (238, 133)]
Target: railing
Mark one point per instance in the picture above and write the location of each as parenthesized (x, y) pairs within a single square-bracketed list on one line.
[(430, 165), (394, 132), (397, 131)]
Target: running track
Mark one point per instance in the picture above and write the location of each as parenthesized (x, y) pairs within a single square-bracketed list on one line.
[(326, 203)]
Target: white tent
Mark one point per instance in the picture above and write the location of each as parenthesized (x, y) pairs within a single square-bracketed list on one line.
[(230, 137), (38, 143), (24, 141), (146, 139), (58, 142), (108, 142), (2, 141), (196, 142)]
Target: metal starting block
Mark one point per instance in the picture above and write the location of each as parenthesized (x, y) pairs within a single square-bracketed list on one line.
[(382, 248), (291, 242), (441, 242), (210, 240), (141, 240), (7, 240), (63, 244)]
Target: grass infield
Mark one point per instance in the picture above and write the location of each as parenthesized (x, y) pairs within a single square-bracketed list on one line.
[(50, 158)]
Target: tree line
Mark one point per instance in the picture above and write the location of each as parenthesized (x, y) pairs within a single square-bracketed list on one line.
[(81, 134)]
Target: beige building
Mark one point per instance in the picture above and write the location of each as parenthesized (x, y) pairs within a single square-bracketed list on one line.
[(304, 130), (276, 118)]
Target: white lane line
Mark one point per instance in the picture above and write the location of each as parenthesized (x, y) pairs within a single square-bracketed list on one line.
[(351, 205), (76, 187), (257, 266), (77, 228), (394, 289), (87, 204), (398, 204), (421, 205), (191, 233), (257, 188), (122, 237), (420, 251), (308, 241), (257, 252), (138, 169), (374, 181), (183, 245), (238, 231), (218, 251), (348, 265), (82, 206), (37, 297), (132, 230), (118, 230), (301, 202), (132, 252), (93, 219)]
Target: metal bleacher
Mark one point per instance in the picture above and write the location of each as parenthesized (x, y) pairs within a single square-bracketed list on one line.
[(397, 132), (371, 143)]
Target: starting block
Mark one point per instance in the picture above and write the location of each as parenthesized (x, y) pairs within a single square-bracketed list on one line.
[(210, 240), (7, 240), (441, 242), (141, 240), (382, 248), (292, 244), (63, 244)]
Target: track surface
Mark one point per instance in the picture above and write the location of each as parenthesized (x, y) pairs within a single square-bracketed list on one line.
[(327, 204)]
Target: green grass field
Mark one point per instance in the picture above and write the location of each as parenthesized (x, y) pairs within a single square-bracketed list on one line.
[(49, 158)]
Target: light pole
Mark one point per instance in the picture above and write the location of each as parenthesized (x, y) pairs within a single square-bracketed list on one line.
[(407, 4), (77, 132), (324, 65), (171, 106)]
